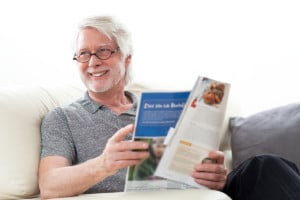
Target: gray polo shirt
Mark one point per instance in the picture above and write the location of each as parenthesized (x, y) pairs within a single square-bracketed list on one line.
[(80, 131)]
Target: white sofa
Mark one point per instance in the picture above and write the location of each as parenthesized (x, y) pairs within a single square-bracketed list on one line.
[(21, 111)]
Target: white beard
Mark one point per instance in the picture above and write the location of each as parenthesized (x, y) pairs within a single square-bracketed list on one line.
[(103, 88)]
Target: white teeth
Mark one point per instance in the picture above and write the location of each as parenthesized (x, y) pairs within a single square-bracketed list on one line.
[(97, 74)]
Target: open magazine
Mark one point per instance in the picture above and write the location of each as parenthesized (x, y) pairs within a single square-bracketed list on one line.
[(181, 128)]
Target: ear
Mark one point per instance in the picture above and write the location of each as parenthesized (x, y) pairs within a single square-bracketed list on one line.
[(127, 61)]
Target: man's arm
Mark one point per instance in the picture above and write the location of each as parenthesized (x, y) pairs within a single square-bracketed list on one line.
[(57, 178)]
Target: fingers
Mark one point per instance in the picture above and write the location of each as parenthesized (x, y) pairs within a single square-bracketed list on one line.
[(214, 177), (210, 168), (211, 174), (117, 143), (122, 133), (129, 155), (215, 185), (214, 163), (114, 162), (120, 153), (132, 145)]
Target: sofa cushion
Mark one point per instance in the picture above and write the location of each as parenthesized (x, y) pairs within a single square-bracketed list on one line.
[(190, 194), (22, 109), (273, 131)]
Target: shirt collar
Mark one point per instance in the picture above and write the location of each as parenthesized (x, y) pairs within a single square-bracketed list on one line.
[(92, 106)]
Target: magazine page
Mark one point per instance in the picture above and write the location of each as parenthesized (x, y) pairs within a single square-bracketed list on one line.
[(157, 112), (197, 131)]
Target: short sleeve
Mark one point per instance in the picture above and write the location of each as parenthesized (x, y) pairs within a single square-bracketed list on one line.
[(56, 137)]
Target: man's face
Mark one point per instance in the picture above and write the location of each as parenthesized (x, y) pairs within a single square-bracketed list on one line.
[(100, 75)]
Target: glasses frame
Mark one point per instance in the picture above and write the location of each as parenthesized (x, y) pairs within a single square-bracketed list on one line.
[(95, 54)]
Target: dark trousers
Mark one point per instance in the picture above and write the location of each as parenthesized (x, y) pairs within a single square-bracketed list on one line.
[(264, 177)]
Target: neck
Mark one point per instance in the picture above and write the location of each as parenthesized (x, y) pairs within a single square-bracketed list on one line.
[(117, 101)]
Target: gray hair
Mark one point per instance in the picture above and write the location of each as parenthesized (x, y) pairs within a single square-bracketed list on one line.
[(115, 31)]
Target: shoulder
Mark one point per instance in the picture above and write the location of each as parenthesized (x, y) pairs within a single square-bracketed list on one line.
[(60, 113)]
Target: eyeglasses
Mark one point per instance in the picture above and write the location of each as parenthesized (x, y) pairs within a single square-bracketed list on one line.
[(103, 53)]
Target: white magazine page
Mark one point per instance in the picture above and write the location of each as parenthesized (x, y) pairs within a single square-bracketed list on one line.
[(197, 131)]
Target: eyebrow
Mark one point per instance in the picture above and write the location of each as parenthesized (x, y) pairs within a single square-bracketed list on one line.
[(99, 46), (105, 45)]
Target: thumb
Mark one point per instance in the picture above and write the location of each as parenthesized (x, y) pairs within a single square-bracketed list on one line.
[(218, 156)]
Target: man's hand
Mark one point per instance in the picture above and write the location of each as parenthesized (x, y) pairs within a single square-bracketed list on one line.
[(211, 174), (119, 153)]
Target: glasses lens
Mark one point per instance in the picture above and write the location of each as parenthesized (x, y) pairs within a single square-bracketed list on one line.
[(104, 53), (83, 56)]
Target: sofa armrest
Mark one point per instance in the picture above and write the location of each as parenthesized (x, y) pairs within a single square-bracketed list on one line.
[(22, 109)]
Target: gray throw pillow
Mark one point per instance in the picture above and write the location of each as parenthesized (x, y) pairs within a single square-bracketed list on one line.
[(273, 131)]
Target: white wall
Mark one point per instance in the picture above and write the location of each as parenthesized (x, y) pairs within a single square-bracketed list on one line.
[(254, 45)]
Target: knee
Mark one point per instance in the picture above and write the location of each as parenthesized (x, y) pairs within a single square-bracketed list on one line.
[(267, 161)]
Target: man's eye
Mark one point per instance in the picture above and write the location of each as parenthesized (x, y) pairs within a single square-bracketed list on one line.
[(84, 53), (104, 50)]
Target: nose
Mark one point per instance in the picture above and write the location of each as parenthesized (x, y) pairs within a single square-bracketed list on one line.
[(94, 60)]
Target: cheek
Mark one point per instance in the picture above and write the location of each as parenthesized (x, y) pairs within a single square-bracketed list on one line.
[(82, 67), (120, 69), (82, 70)]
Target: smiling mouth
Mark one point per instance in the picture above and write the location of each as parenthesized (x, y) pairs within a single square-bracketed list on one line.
[(97, 74)]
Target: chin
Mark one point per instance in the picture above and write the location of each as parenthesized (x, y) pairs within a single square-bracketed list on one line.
[(98, 89)]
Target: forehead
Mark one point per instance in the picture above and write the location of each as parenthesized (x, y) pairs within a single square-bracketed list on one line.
[(91, 37)]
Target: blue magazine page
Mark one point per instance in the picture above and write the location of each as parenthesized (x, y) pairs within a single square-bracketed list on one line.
[(157, 113)]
